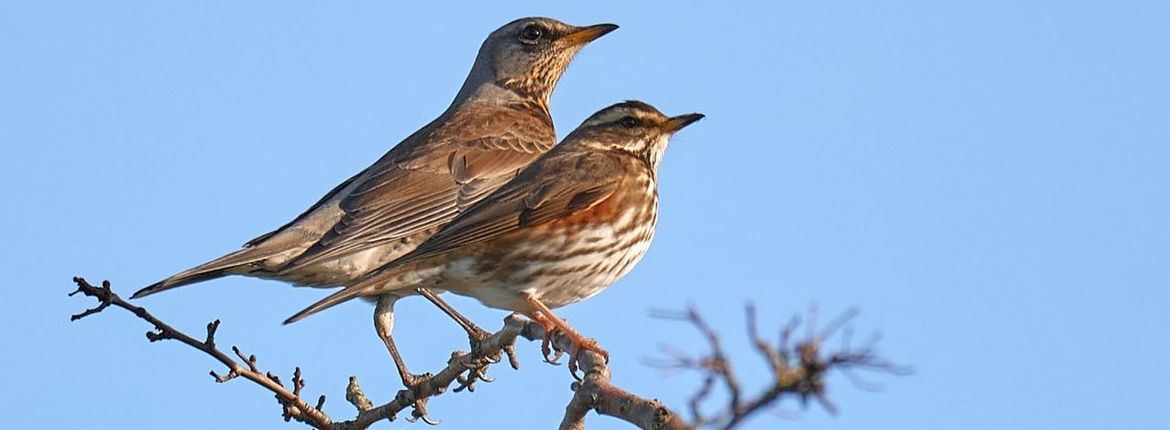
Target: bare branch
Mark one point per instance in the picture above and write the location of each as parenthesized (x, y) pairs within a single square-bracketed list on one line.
[(797, 370), (106, 297), (593, 393)]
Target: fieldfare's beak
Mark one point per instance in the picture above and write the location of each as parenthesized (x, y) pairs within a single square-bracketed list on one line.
[(676, 123), (583, 35)]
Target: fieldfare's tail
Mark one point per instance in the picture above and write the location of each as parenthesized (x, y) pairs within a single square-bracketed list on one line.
[(213, 269)]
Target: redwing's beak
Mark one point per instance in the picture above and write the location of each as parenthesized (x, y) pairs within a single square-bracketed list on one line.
[(677, 123)]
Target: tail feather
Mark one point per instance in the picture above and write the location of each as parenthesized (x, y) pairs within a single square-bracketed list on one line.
[(177, 281), (374, 283), (210, 270), (333, 300)]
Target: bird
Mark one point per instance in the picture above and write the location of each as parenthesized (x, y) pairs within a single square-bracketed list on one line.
[(498, 123), (572, 223)]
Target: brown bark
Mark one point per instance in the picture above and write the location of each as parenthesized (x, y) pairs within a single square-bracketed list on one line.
[(798, 371)]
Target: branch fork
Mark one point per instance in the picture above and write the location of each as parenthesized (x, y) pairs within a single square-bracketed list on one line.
[(797, 370)]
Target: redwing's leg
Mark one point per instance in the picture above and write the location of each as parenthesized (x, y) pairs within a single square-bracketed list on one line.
[(550, 320)]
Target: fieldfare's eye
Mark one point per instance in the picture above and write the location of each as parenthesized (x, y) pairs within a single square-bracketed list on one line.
[(531, 33), (628, 122)]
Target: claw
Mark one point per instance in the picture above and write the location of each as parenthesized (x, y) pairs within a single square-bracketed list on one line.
[(552, 325), (581, 344), (420, 413), (513, 361), (573, 361), (473, 375), (419, 406), (550, 356)]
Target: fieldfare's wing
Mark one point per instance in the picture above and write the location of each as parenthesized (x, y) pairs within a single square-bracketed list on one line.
[(424, 186), (325, 199)]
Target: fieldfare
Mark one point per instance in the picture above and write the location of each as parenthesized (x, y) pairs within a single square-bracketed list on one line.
[(498, 123)]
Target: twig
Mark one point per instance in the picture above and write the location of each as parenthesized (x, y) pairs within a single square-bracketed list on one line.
[(797, 370), (295, 408), (594, 392)]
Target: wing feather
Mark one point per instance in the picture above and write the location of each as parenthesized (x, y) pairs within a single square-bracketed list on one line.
[(426, 186), (557, 186)]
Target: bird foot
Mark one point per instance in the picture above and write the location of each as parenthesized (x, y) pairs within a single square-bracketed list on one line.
[(474, 374), (553, 324), (583, 344), (475, 337), (551, 354), (414, 389), (476, 369), (579, 343)]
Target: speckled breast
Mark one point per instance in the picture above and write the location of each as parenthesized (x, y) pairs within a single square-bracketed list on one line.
[(573, 258)]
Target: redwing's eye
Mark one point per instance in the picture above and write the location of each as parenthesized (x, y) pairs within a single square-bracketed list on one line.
[(531, 33), (628, 122)]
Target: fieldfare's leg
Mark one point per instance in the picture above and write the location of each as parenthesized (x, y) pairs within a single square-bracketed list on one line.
[(474, 334), (384, 324), (550, 320)]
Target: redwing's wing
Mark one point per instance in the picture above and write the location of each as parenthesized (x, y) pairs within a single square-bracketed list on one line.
[(557, 186)]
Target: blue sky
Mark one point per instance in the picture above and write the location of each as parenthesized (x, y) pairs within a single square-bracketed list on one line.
[(986, 181)]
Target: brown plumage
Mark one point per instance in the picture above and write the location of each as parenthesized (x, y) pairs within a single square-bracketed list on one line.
[(425, 182), (568, 226), (498, 123)]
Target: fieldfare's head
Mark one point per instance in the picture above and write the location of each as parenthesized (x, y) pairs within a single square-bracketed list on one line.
[(529, 55), (633, 127)]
